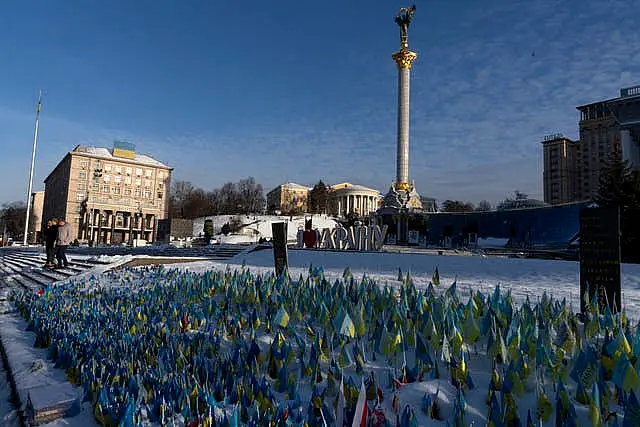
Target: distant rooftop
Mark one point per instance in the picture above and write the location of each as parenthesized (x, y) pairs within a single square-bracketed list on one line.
[(106, 153), (294, 185), (351, 186)]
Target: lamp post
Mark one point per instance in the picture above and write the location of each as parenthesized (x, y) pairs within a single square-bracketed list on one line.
[(97, 174), (138, 215)]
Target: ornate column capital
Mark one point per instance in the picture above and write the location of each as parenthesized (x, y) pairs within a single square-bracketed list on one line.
[(404, 58)]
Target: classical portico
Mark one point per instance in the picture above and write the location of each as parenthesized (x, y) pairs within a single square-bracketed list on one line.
[(347, 198), (117, 227)]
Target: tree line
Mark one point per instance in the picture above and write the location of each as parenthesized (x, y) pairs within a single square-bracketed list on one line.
[(12, 216), (242, 197)]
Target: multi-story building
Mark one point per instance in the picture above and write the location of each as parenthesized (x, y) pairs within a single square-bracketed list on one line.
[(109, 196), (608, 129), (288, 198), (560, 175), (626, 110), (599, 141), (35, 217)]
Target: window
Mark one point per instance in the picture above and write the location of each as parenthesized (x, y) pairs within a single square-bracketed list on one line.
[(147, 193), (105, 188), (118, 169), (117, 179), (107, 167), (127, 180), (147, 173), (147, 183), (84, 164), (115, 190), (127, 191), (137, 192), (128, 171), (160, 194), (138, 172), (107, 177), (80, 197), (95, 186), (138, 181), (82, 174), (82, 186), (119, 220)]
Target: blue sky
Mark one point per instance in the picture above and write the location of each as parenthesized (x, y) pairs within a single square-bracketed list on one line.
[(298, 91)]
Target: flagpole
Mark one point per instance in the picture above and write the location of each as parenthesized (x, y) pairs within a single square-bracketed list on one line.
[(33, 160)]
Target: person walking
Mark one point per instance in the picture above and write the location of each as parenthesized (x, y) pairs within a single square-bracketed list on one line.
[(65, 235), (50, 236)]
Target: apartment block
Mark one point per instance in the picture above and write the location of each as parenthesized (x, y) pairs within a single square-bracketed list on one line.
[(560, 178)]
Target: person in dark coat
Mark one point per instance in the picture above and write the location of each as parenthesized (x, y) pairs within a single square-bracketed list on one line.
[(50, 236)]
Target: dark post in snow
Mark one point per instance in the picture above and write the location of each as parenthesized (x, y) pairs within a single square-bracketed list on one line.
[(279, 233), (600, 256)]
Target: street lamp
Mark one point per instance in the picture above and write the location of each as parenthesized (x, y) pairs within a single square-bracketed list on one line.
[(97, 174)]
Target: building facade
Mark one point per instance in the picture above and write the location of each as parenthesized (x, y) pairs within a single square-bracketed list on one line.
[(599, 140), (346, 198), (108, 196), (35, 217), (608, 129), (560, 179), (288, 198)]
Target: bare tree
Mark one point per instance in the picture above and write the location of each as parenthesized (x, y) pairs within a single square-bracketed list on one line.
[(180, 194)]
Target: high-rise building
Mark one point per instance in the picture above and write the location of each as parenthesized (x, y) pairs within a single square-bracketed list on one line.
[(626, 111), (599, 140), (108, 196), (608, 128), (559, 176)]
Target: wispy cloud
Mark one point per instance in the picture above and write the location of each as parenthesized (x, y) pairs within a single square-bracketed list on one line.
[(488, 84)]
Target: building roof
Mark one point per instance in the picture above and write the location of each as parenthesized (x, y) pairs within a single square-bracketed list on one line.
[(354, 187), (294, 185), (604, 103), (105, 153)]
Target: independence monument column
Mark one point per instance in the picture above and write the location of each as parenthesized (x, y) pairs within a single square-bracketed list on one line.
[(404, 59), (402, 196)]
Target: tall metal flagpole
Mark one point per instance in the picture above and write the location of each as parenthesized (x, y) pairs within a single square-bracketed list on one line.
[(33, 160)]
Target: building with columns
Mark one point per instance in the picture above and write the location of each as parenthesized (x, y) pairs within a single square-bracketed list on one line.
[(347, 198), (109, 196)]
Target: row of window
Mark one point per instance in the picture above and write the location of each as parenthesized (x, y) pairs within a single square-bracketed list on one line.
[(137, 192), (128, 170)]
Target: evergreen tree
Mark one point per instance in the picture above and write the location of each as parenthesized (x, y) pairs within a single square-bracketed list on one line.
[(619, 185), (319, 198)]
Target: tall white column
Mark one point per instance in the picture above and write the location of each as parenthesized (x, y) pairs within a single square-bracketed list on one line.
[(404, 59)]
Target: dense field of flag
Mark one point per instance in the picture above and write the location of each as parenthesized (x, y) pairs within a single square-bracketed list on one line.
[(172, 347)]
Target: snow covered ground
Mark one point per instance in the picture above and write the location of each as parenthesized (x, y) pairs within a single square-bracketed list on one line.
[(522, 277), (257, 226)]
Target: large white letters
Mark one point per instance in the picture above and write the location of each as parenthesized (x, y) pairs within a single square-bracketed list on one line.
[(363, 238)]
